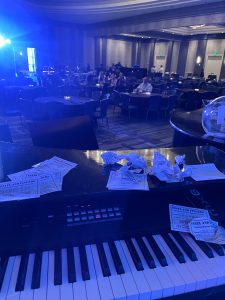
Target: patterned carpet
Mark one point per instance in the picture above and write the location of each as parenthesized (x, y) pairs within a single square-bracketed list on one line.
[(121, 133)]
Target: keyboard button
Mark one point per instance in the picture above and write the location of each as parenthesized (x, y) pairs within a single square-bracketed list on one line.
[(90, 217), (205, 248), (173, 247), (36, 276), (184, 245), (103, 260), (84, 263), (134, 254), (111, 214), (79, 285), (116, 258), (118, 214), (104, 285), (127, 278), (12, 293), (40, 293), (7, 277), (115, 280), (217, 248), (53, 291), (71, 265), (83, 218), (22, 273), (3, 267), (104, 215), (92, 284), (160, 256), (57, 267), (147, 255), (66, 289)]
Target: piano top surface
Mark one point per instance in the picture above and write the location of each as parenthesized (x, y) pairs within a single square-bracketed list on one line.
[(91, 176)]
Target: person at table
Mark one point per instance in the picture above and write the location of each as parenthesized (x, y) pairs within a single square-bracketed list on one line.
[(161, 69), (144, 87)]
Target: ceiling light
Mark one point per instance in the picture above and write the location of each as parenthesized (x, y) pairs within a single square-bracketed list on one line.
[(197, 26)]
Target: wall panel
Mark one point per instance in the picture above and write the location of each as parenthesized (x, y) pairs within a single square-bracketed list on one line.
[(191, 57), (119, 51)]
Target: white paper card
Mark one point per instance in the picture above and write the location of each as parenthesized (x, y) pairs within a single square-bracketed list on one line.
[(118, 181), (205, 172), (18, 190), (181, 216)]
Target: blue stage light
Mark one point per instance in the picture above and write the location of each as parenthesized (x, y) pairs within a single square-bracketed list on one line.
[(21, 53), (4, 41), (8, 41)]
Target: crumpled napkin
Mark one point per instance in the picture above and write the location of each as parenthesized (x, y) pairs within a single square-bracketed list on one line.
[(133, 160), (111, 158), (164, 171)]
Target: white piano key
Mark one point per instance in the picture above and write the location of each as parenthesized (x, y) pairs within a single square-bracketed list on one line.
[(162, 274), (66, 289), (115, 279), (127, 278), (92, 284), (156, 290), (190, 283), (7, 277), (178, 282), (79, 290), (41, 293), (53, 291), (140, 281), (199, 277), (12, 294), (203, 263), (103, 282), (27, 293)]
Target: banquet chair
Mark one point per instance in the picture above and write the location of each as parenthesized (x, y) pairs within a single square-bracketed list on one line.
[(167, 105), (154, 106), (102, 113)]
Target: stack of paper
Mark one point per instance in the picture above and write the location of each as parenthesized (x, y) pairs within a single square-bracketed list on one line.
[(118, 181), (43, 178), (197, 222)]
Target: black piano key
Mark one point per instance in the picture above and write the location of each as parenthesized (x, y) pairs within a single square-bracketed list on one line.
[(116, 258), (36, 276), (134, 255), (204, 247), (173, 247), (147, 255), (22, 273), (103, 260), (159, 254), (217, 248), (71, 265), (57, 267), (185, 246), (84, 263), (3, 266)]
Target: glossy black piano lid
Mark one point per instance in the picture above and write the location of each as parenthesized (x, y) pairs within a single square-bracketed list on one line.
[(91, 176), (26, 224)]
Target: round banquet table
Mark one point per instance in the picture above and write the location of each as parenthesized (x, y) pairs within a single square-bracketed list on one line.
[(188, 130), (72, 100)]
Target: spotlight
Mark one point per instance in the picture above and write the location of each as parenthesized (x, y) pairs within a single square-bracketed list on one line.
[(21, 53), (8, 41)]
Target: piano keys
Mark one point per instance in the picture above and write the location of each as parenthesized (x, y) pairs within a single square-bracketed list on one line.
[(137, 281)]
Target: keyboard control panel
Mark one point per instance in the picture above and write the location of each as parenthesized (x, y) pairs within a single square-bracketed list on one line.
[(80, 214)]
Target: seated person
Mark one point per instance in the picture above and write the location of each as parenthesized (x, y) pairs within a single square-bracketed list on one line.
[(144, 87)]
